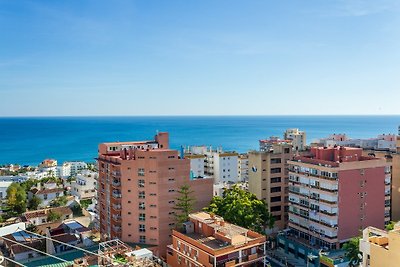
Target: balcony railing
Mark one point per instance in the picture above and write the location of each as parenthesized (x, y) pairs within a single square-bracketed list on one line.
[(116, 183), (117, 218), (116, 206), (117, 194)]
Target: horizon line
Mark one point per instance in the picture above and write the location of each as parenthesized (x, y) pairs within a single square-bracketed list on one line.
[(199, 115)]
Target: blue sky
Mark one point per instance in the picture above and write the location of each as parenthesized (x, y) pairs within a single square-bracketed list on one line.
[(199, 57)]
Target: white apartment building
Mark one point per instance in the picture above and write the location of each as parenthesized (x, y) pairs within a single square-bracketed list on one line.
[(298, 138), (243, 167), (76, 167), (223, 166), (381, 142), (197, 166), (84, 187)]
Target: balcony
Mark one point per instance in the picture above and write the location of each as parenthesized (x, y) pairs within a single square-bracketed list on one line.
[(116, 173), (117, 194), (117, 217), (116, 183), (116, 206)]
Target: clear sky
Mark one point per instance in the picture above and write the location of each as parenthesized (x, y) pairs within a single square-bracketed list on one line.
[(201, 57)]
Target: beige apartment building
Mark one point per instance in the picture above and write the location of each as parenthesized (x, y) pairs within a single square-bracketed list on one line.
[(380, 248), (268, 177), (137, 190)]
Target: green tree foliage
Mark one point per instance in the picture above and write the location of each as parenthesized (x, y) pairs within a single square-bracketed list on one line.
[(28, 184), (242, 208), (184, 205), (31, 227), (390, 226), (34, 203), (53, 216), (16, 198), (352, 248), (59, 202), (77, 210)]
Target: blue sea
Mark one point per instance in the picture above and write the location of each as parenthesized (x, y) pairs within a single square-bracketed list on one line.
[(30, 140)]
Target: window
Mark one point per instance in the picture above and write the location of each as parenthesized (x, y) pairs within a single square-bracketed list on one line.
[(276, 199), (276, 170), (171, 190), (171, 179), (277, 217), (142, 206), (287, 150), (141, 172), (276, 180), (45, 196), (171, 202), (142, 228), (142, 194), (275, 189), (141, 183), (275, 161), (142, 217), (276, 208), (142, 239)]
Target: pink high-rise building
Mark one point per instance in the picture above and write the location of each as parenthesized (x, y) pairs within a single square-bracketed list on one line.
[(334, 193), (137, 190)]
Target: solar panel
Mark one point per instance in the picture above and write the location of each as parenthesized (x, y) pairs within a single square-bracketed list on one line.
[(74, 225)]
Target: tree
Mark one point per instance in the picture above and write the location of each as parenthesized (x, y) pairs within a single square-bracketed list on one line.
[(60, 201), (31, 227), (352, 248), (16, 198), (53, 216), (184, 205), (390, 226), (34, 203), (242, 208)]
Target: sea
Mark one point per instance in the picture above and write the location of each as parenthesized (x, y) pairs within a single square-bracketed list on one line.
[(27, 141)]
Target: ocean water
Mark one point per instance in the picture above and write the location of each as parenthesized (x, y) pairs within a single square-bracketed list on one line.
[(30, 140)]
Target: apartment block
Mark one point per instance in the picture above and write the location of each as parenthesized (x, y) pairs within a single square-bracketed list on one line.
[(380, 247), (243, 167), (336, 192), (207, 240), (268, 177), (221, 165), (137, 190), (381, 142), (393, 158), (298, 138)]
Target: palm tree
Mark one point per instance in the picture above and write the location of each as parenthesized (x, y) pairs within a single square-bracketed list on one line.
[(352, 249)]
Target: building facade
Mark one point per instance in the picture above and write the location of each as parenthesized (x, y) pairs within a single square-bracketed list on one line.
[(137, 190), (268, 177), (207, 240), (336, 192), (243, 167), (85, 185), (298, 138), (380, 247)]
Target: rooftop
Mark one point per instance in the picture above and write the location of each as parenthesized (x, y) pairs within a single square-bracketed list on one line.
[(221, 235), (44, 212)]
